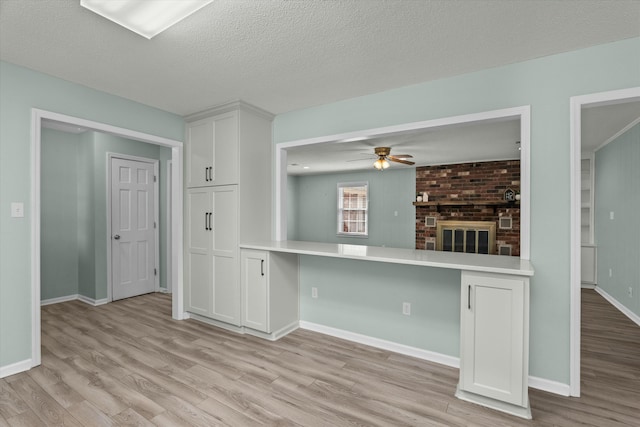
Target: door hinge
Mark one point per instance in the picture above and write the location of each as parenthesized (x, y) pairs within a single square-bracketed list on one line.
[(155, 178), (155, 271), (154, 225)]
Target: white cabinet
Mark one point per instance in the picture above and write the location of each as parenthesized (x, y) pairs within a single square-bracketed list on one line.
[(494, 341), (269, 292), (228, 199), (212, 253), (212, 151)]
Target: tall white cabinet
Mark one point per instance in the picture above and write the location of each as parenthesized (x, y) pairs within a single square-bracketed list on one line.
[(494, 341), (227, 200)]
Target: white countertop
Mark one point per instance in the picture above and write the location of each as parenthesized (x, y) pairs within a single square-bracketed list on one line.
[(439, 259)]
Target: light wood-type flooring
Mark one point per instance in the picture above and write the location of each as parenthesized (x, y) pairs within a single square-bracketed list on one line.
[(129, 363)]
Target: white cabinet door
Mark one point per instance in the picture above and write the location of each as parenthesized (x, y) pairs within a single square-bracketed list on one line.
[(200, 152), (494, 336), (198, 246), (211, 261), (212, 151), (226, 281), (255, 290)]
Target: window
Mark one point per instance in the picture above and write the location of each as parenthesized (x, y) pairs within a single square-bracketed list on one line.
[(353, 205)]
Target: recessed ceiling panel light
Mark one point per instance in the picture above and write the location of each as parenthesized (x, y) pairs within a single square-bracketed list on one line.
[(147, 18)]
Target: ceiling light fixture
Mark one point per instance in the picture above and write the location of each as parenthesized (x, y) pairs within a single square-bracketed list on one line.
[(381, 163), (146, 18)]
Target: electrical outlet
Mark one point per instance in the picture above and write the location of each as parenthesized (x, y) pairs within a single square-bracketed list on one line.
[(630, 292), (611, 272), (406, 308), (611, 215), (314, 292)]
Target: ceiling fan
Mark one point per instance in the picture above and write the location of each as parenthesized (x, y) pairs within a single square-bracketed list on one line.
[(384, 158)]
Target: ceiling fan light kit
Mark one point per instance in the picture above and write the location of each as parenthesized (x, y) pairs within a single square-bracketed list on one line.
[(384, 157), (381, 164)]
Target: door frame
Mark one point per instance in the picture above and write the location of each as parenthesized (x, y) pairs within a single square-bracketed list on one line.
[(156, 218), (37, 116), (575, 150), (523, 113), (168, 268)]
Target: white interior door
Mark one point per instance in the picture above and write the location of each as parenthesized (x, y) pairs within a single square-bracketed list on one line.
[(133, 245)]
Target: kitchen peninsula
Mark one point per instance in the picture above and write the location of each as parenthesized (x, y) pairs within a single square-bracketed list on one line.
[(494, 308)]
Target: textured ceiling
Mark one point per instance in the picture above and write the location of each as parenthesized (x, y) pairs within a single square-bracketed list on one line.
[(283, 55), (601, 123)]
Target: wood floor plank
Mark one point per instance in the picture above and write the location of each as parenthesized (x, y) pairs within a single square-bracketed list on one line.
[(88, 415), (103, 400), (130, 417), (25, 419), (10, 402), (42, 404), (55, 386), (130, 363)]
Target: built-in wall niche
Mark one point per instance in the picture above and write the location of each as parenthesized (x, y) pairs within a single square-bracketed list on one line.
[(350, 148), (469, 194)]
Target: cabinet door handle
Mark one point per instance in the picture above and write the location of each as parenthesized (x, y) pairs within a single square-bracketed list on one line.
[(469, 297), (206, 174), (262, 267), (206, 220), (210, 215)]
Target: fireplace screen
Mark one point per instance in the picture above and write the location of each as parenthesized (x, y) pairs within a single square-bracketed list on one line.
[(466, 236)]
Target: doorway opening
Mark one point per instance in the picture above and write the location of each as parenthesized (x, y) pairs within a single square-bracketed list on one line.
[(175, 190), (578, 235)]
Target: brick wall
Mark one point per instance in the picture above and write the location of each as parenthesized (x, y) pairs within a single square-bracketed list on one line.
[(484, 181)]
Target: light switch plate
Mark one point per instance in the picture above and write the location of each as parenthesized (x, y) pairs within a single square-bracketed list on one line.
[(17, 210)]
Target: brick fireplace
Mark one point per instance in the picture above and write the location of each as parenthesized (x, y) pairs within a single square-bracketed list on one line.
[(470, 192)]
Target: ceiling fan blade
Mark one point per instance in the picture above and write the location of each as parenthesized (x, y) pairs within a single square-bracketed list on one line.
[(401, 156), (358, 160), (406, 162)]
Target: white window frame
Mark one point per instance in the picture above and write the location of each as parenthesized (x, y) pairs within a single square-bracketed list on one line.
[(341, 209)]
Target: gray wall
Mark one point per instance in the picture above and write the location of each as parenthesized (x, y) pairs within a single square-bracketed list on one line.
[(22, 90), (313, 206), (617, 189), (59, 221), (546, 85), (74, 210)]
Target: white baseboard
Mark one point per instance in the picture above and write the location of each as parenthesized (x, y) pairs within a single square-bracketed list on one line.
[(431, 356), (15, 368), (91, 301), (443, 359), (587, 285), (549, 386), (59, 299), (630, 314), (78, 297)]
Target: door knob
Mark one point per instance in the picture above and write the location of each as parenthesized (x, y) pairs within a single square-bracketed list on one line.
[(116, 237)]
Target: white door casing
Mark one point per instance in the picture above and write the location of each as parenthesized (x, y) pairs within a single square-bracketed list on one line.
[(37, 117), (133, 234)]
